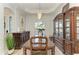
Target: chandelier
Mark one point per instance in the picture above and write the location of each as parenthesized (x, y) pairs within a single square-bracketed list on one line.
[(39, 14)]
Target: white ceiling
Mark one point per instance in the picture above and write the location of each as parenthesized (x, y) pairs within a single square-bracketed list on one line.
[(34, 7)]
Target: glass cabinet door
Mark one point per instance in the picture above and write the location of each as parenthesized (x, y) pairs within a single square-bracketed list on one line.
[(61, 28), (56, 28), (77, 26), (67, 28)]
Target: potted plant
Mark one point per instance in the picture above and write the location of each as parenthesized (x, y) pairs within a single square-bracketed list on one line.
[(10, 43)]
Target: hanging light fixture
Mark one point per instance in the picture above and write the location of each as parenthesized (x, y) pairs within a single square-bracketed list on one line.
[(39, 14)]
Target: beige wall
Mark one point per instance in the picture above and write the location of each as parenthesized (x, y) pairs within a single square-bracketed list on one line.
[(15, 24), (17, 15), (30, 19), (46, 18), (73, 4), (2, 40)]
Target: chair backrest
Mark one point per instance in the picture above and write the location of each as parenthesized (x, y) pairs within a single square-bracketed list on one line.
[(39, 43)]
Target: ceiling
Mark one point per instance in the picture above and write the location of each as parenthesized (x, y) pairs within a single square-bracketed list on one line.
[(35, 7)]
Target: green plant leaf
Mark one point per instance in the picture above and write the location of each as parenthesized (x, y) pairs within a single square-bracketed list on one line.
[(10, 41)]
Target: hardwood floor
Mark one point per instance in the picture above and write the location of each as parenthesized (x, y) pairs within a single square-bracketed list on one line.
[(58, 52), (20, 52)]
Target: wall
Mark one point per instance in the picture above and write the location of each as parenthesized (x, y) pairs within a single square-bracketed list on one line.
[(73, 4), (16, 14), (32, 18), (15, 24), (47, 18), (2, 40)]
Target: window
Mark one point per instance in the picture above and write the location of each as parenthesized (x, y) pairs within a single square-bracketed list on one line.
[(10, 19)]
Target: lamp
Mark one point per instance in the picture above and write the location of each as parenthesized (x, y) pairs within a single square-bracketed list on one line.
[(39, 14)]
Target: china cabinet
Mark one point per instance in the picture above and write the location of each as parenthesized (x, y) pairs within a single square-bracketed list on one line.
[(58, 32), (71, 25), (66, 31)]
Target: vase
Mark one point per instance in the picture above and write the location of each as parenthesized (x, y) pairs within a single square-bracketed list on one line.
[(10, 51), (40, 33)]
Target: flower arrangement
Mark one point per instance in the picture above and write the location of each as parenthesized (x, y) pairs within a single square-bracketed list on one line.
[(40, 26)]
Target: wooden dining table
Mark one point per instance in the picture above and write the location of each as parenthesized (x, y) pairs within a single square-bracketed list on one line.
[(27, 47)]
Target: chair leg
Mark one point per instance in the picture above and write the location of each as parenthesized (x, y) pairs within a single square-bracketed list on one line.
[(49, 52), (28, 51), (24, 51), (53, 50)]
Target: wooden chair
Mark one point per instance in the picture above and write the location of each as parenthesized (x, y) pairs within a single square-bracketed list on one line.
[(39, 45)]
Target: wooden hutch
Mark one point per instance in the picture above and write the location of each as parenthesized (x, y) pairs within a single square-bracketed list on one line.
[(71, 27), (58, 32), (66, 31)]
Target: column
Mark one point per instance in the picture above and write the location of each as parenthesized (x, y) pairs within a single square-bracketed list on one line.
[(3, 50)]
